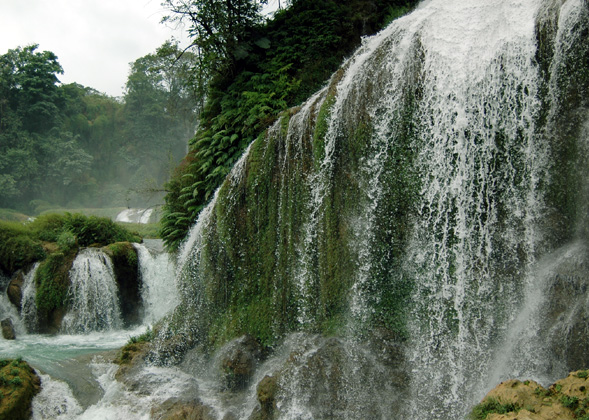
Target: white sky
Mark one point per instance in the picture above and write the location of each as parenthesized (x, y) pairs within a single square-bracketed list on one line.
[(94, 40)]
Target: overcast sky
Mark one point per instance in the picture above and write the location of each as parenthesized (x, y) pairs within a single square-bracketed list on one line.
[(94, 40)]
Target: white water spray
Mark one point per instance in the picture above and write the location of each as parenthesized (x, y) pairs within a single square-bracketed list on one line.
[(93, 294)]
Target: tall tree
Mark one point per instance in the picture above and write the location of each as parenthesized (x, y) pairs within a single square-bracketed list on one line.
[(218, 28)]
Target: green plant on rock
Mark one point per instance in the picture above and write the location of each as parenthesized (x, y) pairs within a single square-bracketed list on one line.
[(489, 406)]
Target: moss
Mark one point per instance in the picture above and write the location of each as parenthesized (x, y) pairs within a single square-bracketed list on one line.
[(18, 250), (52, 280), (321, 130), (489, 406), (18, 385)]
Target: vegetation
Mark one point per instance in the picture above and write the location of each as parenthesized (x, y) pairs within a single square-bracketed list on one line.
[(69, 145), (18, 385), (255, 71), (23, 243), (489, 406)]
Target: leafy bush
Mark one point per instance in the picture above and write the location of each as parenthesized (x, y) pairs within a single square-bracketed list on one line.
[(18, 247), (87, 230)]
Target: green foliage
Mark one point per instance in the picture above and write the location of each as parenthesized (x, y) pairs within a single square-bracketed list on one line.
[(86, 230), (147, 336), (489, 406), (583, 374), (52, 283), (18, 248), (569, 402), (279, 64)]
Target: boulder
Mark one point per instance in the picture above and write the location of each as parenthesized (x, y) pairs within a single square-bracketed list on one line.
[(8, 331), (238, 361), (14, 290), (181, 410)]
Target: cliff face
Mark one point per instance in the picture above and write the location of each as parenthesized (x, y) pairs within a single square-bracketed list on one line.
[(433, 194)]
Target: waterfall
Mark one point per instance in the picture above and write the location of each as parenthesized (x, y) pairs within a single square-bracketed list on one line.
[(93, 294), (28, 312), (158, 289), (134, 216), (417, 210)]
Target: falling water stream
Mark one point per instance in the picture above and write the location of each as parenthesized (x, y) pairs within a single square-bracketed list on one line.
[(462, 117)]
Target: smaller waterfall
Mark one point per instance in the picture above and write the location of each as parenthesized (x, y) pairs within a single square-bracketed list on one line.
[(28, 310), (93, 294), (158, 289), (134, 216)]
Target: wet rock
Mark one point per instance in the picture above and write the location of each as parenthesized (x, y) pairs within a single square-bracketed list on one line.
[(125, 262), (566, 317), (181, 410), (14, 290), (18, 388), (331, 377), (8, 331), (238, 361), (266, 390)]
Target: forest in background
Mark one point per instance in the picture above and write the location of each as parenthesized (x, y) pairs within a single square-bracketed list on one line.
[(251, 70), (67, 145), (186, 114)]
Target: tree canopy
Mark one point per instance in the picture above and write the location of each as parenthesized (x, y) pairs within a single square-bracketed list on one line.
[(70, 145)]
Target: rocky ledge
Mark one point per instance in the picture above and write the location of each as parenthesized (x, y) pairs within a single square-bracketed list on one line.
[(566, 399), (19, 383)]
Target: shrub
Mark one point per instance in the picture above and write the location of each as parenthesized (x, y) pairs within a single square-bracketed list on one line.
[(18, 247), (489, 406)]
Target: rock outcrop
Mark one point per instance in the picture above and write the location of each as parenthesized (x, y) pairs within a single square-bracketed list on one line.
[(19, 383), (567, 399)]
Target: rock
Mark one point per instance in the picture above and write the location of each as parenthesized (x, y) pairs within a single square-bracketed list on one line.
[(566, 320), (14, 290), (125, 262), (238, 360), (267, 390), (19, 385), (8, 329), (328, 376), (566, 399), (182, 410)]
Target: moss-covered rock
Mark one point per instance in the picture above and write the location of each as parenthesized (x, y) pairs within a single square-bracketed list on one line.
[(566, 399), (238, 361), (19, 383), (52, 280)]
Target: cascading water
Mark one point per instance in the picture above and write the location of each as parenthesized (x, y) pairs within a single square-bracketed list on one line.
[(394, 241), (159, 297), (93, 294), (415, 198), (28, 310)]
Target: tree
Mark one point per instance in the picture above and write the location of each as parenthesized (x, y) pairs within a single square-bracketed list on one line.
[(37, 156), (219, 28)]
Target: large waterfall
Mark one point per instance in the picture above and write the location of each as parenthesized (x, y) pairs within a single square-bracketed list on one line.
[(418, 210)]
